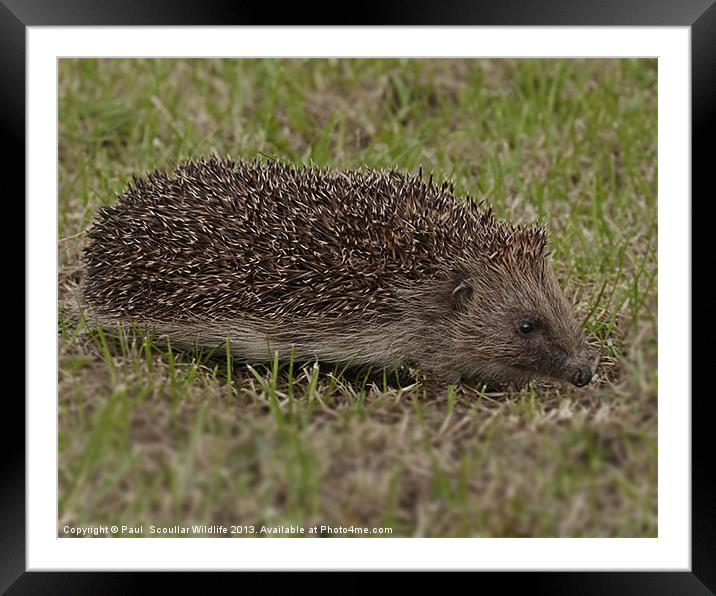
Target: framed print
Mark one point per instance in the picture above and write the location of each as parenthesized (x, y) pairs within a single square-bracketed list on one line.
[(419, 290)]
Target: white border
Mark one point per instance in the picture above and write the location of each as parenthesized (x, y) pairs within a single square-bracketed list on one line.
[(670, 551)]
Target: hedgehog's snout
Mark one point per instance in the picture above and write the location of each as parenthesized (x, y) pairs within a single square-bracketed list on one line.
[(582, 375)]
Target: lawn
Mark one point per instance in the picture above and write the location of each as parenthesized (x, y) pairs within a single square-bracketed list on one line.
[(149, 435)]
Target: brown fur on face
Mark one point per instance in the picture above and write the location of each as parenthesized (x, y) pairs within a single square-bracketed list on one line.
[(473, 324), (471, 316)]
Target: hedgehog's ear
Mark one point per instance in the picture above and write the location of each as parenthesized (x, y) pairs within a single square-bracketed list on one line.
[(460, 295)]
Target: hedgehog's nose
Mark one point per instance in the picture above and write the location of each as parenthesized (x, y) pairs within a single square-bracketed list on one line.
[(582, 376)]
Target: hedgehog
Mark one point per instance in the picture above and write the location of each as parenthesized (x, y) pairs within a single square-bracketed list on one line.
[(376, 268)]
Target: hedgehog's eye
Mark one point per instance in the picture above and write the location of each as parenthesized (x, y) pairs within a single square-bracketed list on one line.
[(524, 328)]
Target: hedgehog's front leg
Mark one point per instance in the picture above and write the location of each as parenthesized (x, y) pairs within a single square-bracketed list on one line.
[(425, 353), (435, 380)]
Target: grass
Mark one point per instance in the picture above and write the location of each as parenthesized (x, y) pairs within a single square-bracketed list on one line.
[(151, 435)]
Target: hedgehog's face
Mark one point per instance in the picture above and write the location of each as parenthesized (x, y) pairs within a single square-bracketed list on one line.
[(518, 328)]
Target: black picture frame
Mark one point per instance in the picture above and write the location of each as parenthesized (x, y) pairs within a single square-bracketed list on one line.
[(699, 15)]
